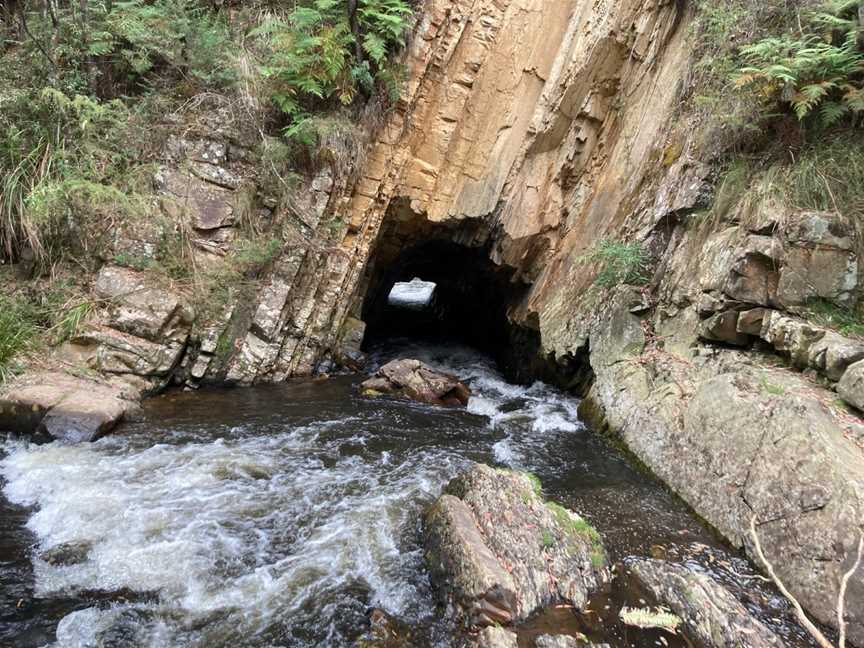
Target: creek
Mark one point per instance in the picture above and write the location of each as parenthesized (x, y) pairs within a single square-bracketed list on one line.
[(280, 516)]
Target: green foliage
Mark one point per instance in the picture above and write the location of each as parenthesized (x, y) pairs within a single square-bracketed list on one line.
[(620, 263), (252, 255), (572, 523), (826, 175), (313, 57), (18, 328), (63, 159), (846, 321), (816, 70), (116, 45)]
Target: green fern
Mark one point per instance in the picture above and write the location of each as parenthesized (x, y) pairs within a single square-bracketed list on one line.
[(814, 74), (312, 59)]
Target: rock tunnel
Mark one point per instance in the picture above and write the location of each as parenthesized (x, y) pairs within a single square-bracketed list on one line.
[(472, 302)]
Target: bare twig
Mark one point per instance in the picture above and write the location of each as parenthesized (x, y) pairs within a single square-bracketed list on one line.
[(841, 600), (799, 611)]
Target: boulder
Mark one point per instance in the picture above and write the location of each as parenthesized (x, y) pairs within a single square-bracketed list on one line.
[(417, 381), (712, 617), (66, 554), (62, 406), (498, 553), (851, 386), (495, 637), (723, 327)]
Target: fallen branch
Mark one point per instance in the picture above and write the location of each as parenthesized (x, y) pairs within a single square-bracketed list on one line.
[(841, 601), (799, 611)]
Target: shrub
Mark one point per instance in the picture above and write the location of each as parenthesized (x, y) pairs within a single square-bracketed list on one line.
[(320, 53), (620, 263), (825, 175), (17, 333), (817, 73)]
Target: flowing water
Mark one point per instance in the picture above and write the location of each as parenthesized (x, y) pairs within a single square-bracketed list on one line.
[(279, 516)]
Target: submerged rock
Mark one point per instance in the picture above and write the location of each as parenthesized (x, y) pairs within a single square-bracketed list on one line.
[(563, 641), (68, 553), (498, 553), (711, 615), (417, 381)]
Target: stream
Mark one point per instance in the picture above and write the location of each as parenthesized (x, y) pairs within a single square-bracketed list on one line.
[(280, 516)]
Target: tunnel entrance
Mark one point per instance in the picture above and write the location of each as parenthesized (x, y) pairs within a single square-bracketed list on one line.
[(437, 282), (442, 291)]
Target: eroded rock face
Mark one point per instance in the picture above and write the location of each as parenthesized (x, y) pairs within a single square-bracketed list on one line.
[(140, 333), (417, 381), (498, 553), (712, 616)]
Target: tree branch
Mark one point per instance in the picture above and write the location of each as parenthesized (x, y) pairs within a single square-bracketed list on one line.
[(841, 600), (799, 611), (30, 35)]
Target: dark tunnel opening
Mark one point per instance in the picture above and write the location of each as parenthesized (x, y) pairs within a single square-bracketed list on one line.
[(468, 304), (471, 302)]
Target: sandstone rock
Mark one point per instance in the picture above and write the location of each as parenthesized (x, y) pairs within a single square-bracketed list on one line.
[(791, 336), (499, 554), (412, 379), (140, 307), (833, 353), (712, 617), (113, 352), (851, 386), (68, 553), (207, 206), (349, 352), (385, 632), (820, 259), (495, 637), (723, 327), (750, 322), (62, 406), (748, 439)]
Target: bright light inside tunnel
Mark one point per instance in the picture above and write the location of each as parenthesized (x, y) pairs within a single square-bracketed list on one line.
[(415, 294)]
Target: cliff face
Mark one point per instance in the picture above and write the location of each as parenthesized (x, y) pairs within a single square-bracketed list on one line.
[(528, 132)]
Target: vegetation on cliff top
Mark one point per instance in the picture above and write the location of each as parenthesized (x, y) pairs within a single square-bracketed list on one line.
[(92, 89)]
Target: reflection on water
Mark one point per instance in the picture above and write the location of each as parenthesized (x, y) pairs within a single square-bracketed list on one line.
[(278, 516)]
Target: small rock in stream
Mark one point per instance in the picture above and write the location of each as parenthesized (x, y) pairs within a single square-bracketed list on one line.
[(498, 553), (66, 554), (563, 641), (417, 381), (712, 616)]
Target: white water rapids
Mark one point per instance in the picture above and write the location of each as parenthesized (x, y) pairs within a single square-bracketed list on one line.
[(277, 530), (280, 516)]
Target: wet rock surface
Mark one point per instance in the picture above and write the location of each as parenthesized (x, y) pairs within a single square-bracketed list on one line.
[(738, 437), (494, 637), (417, 381), (498, 553), (711, 616), (56, 405), (563, 641)]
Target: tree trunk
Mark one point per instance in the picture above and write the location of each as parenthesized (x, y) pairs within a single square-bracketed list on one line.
[(355, 29)]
